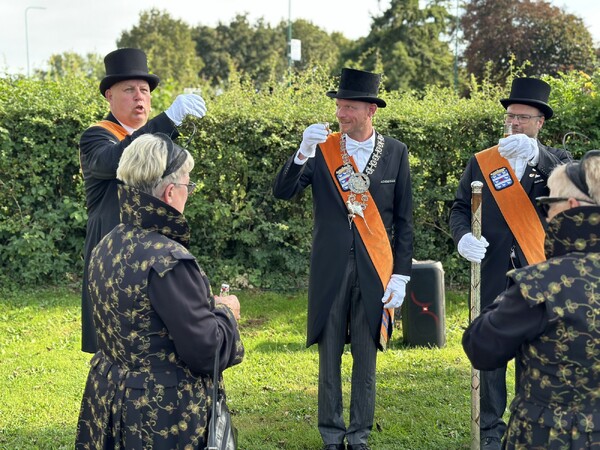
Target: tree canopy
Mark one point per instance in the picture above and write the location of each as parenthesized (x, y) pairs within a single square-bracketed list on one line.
[(411, 45), (414, 44), (168, 44), (499, 33), (255, 50)]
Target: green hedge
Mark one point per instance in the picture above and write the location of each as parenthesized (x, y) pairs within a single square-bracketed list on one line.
[(241, 234)]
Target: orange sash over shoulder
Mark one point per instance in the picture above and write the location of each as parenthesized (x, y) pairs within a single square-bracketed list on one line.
[(514, 204), (116, 129), (371, 229), (119, 132)]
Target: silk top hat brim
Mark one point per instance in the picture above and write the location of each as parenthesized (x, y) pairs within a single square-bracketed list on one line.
[(127, 64), (531, 92), (358, 85), (108, 81), (357, 96)]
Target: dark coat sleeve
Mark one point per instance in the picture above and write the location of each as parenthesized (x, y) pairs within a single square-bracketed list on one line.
[(181, 300), (550, 158), (403, 218), (293, 178), (494, 337), (101, 151)]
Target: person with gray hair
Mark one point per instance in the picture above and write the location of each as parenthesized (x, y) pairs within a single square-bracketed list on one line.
[(127, 87), (158, 326), (549, 320)]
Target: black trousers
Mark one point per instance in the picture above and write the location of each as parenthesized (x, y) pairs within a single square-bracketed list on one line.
[(347, 315)]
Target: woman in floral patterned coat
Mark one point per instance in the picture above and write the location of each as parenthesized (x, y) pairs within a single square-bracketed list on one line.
[(149, 384), (550, 321)]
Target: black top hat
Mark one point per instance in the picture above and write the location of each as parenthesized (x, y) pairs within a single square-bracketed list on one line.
[(358, 85), (532, 92), (126, 64)]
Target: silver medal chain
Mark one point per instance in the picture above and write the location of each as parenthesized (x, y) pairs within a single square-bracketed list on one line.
[(359, 182)]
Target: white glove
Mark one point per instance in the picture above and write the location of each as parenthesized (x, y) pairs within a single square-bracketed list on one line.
[(395, 292), (185, 104), (471, 248), (313, 135), (518, 146)]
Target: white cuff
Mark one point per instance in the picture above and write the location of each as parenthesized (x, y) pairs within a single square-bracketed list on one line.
[(299, 161)]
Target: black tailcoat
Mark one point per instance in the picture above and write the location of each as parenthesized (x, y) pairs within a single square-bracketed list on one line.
[(333, 237), (493, 225), (100, 152)]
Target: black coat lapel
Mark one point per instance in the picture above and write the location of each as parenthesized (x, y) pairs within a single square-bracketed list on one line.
[(377, 175)]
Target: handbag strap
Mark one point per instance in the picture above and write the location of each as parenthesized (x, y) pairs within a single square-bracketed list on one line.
[(212, 445)]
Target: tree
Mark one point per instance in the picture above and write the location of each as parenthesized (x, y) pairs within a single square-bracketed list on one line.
[(255, 50), (70, 63), (550, 39), (260, 52), (410, 44), (168, 44), (318, 47)]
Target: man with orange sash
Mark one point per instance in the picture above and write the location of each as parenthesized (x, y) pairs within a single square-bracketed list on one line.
[(362, 248), (127, 87), (513, 174)]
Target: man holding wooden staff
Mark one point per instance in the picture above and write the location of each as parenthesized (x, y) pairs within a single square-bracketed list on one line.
[(514, 172)]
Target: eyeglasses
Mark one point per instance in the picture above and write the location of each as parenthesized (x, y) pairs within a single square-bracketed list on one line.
[(544, 203), (521, 118), (191, 186)]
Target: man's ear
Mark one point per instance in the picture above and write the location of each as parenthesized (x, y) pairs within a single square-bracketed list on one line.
[(372, 109), (541, 122)]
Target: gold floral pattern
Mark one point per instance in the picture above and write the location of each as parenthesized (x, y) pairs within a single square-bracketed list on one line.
[(139, 394), (558, 403)]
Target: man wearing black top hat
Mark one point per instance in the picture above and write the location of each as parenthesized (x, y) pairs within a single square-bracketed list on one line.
[(127, 87), (513, 174), (362, 248)]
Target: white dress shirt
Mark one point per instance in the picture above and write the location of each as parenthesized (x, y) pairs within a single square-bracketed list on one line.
[(519, 165), (360, 151)]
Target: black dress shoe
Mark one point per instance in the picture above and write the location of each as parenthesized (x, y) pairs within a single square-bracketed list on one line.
[(334, 447), (358, 447)]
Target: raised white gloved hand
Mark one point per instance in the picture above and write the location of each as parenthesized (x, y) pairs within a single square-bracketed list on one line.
[(518, 146), (315, 134), (471, 248), (186, 104), (395, 291)]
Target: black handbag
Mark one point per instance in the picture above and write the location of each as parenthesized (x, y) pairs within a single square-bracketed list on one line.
[(222, 435)]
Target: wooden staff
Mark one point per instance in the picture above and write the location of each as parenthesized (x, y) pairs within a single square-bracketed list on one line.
[(476, 187)]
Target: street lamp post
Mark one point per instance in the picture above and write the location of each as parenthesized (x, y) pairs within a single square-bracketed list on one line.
[(27, 33), (290, 36)]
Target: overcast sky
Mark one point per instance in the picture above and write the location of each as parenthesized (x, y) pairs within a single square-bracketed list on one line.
[(84, 26)]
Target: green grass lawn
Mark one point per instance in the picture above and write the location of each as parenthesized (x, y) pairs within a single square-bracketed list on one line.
[(423, 394)]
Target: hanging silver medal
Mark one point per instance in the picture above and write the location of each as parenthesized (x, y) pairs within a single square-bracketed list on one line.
[(359, 182)]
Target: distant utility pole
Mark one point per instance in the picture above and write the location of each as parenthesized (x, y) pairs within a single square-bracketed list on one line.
[(290, 35), (27, 34), (456, 50)]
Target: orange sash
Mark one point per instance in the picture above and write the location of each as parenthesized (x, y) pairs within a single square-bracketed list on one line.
[(514, 204), (373, 236), (116, 129)]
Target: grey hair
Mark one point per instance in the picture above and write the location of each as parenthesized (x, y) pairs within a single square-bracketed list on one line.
[(561, 186), (144, 161)]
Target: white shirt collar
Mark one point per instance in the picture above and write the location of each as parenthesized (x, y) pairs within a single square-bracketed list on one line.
[(129, 130), (352, 146)]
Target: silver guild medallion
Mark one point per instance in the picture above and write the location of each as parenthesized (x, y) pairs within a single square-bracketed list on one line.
[(359, 183)]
